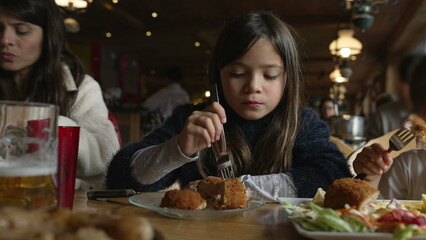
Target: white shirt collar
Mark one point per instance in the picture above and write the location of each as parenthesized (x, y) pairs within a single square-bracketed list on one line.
[(69, 80)]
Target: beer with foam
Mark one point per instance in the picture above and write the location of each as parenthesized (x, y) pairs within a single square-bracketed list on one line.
[(28, 154), (29, 187)]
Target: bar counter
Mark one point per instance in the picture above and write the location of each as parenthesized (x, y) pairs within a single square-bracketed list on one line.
[(267, 222)]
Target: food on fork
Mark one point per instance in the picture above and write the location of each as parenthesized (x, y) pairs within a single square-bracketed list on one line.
[(351, 191), (183, 199), (223, 194), (63, 224), (418, 126)]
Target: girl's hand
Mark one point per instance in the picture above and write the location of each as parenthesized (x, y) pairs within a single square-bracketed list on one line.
[(202, 128), (373, 160)]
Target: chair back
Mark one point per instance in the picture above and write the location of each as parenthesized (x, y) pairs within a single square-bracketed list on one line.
[(117, 130)]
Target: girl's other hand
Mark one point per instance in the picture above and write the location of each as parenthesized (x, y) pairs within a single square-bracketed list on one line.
[(373, 160), (202, 128)]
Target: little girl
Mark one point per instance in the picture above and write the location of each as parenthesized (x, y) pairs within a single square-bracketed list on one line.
[(280, 149)]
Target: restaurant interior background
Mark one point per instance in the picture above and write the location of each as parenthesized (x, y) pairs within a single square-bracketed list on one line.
[(126, 45)]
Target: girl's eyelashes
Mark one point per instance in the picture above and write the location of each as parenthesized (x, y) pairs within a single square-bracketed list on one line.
[(240, 75), (269, 77), (237, 75)]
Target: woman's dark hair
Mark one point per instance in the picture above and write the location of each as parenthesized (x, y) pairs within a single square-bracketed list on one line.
[(405, 67), (46, 81), (273, 151), (418, 84)]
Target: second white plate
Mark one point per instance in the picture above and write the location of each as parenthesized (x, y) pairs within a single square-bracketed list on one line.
[(340, 235)]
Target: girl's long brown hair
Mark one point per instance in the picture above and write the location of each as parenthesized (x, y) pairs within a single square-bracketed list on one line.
[(46, 81), (273, 150)]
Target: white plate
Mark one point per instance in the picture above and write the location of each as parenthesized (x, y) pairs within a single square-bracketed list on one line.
[(153, 200), (338, 235), (349, 236)]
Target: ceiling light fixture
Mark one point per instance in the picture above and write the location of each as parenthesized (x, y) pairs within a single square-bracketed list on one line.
[(345, 45), (73, 5), (71, 25), (70, 8), (363, 11), (337, 77)]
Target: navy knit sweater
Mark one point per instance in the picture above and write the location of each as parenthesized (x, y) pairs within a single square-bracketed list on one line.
[(316, 161)]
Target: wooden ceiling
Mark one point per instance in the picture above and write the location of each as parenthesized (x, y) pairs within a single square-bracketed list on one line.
[(182, 22)]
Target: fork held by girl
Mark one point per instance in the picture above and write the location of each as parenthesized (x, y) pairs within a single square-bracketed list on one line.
[(280, 148)]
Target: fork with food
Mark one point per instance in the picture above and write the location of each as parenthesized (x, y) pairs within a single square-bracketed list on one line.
[(375, 160)]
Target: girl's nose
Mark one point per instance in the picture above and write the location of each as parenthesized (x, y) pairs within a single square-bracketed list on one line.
[(253, 84)]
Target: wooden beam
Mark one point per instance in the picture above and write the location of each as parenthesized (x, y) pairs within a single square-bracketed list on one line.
[(401, 39)]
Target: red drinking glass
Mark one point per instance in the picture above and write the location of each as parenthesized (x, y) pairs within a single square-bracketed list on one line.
[(68, 140)]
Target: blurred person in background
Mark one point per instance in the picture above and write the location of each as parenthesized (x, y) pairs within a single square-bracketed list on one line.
[(326, 108), (36, 65), (167, 99), (405, 176), (383, 99), (390, 116)]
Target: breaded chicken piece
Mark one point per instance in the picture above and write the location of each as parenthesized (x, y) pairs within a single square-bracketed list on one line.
[(223, 194), (183, 199), (354, 192), (208, 187)]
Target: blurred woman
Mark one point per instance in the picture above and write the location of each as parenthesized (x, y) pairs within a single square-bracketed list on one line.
[(36, 65)]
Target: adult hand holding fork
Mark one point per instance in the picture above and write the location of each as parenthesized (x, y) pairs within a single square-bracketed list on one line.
[(374, 160)]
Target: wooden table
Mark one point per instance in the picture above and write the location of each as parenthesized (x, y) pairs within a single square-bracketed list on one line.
[(267, 222)]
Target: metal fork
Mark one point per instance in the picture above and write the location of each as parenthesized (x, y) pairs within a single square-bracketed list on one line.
[(224, 158), (400, 139), (397, 141)]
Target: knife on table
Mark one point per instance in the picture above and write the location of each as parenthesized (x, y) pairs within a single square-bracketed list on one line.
[(116, 193)]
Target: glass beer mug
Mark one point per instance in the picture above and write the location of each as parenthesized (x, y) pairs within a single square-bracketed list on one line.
[(28, 154)]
